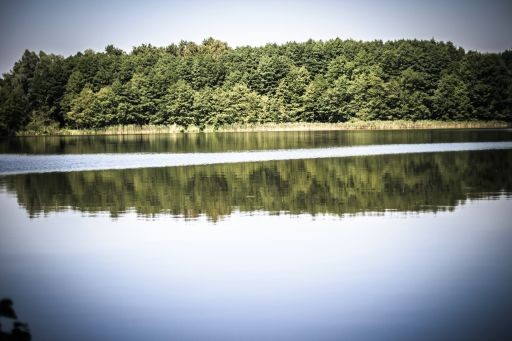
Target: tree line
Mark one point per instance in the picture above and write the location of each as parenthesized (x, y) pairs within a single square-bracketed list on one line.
[(212, 84)]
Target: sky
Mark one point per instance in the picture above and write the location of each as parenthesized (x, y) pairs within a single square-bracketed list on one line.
[(66, 27)]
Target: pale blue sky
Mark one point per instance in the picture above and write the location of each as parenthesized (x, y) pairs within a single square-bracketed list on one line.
[(66, 27)]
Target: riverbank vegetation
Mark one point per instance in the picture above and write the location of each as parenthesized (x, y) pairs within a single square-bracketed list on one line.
[(260, 127), (211, 86)]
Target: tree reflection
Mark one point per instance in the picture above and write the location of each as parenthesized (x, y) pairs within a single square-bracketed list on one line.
[(404, 183), (221, 142), (19, 330)]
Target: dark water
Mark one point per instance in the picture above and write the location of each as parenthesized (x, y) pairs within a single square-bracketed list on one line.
[(407, 246), (224, 142)]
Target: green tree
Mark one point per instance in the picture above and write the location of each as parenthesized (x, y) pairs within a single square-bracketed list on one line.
[(488, 81), (316, 102), (13, 108), (340, 66), (205, 70), (177, 106), (368, 93), (204, 106), (48, 86), (413, 99), (270, 70), (238, 104), (451, 99), (137, 102), (15, 104), (338, 99), (290, 94), (82, 110)]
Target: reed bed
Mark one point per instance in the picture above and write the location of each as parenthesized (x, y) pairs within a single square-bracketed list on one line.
[(261, 127)]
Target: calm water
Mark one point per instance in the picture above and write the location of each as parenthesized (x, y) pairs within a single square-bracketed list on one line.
[(323, 236)]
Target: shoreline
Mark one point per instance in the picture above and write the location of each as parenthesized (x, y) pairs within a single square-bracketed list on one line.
[(268, 127)]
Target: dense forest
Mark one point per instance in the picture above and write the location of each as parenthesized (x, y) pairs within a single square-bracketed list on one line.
[(211, 84), (405, 183)]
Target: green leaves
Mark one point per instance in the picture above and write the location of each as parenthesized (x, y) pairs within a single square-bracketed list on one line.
[(290, 94), (176, 108), (368, 92), (271, 69), (210, 83), (451, 99)]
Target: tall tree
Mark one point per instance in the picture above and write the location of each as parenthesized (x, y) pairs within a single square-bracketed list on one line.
[(290, 94), (451, 99)]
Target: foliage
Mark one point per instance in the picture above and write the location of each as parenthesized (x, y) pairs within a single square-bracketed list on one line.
[(212, 84)]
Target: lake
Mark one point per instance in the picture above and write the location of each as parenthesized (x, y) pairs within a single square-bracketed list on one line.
[(323, 235)]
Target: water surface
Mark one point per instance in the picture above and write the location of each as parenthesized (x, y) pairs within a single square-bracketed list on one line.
[(15, 164), (382, 246), (224, 142)]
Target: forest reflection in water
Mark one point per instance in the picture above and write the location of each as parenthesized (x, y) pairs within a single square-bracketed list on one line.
[(222, 142), (406, 183)]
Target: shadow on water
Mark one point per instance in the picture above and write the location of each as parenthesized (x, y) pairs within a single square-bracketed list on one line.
[(429, 182), (19, 331)]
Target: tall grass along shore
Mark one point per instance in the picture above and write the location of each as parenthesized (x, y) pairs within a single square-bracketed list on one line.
[(262, 127)]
